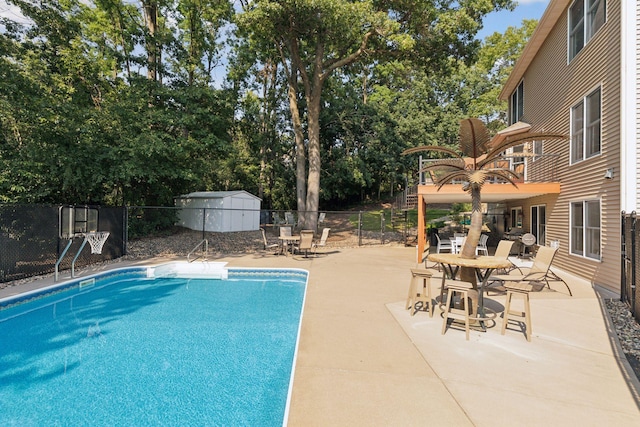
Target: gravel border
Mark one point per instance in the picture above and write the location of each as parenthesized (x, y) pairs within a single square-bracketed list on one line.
[(627, 330)]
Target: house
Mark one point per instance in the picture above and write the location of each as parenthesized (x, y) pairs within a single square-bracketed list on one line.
[(578, 75)]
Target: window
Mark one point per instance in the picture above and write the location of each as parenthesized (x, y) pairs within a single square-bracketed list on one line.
[(516, 217), (585, 229), (585, 19), (585, 127), (539, 223), (536, 149), (517, 104), (517, 162)]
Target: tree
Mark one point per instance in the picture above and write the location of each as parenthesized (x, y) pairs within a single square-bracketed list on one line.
[(474, 165), (314, 38), (77, 122), (481, 82)]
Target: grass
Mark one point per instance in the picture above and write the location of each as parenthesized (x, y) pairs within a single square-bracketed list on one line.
[(371, 220)]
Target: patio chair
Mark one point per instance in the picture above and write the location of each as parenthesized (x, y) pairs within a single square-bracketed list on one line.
[(503, 251), (323, 240), (267, 245), (289, 219), (276, 218), (457, 243), (306, 242), (285, 232), (540, 271), (443, 245), (482, 244)]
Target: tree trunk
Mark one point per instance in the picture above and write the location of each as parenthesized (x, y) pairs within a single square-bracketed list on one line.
[(313, 180), (301, 157), (151, 19)]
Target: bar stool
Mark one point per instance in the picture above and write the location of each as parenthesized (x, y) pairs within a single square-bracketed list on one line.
[(415, 294), (464, 290), (522, 289)]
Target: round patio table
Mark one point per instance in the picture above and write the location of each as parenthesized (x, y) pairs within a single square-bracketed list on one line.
[(483, 266), (288, 242)]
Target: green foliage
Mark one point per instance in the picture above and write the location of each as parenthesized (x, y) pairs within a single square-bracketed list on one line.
[(150, 222), (81, 122), (372, 220), (80, 126)]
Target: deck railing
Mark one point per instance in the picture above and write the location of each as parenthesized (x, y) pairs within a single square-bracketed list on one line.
[(530, 168)]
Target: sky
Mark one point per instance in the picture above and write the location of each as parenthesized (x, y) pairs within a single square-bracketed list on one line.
[(497, 21), (500, 21)]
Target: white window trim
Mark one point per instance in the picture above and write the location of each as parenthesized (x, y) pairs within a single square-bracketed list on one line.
[(584, 240), (516, 219), (513, 120), (583, 100)]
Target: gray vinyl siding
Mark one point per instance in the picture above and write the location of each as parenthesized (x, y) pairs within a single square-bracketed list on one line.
[(552, 87)]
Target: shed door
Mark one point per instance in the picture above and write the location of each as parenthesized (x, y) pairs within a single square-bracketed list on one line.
[(237, 214)]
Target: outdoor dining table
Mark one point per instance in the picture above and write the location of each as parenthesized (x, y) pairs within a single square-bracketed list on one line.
[(288, 242), (483, 266)]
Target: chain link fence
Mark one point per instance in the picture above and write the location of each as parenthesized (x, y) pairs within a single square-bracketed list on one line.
[(156, 231), (31, 242), (33, 237)]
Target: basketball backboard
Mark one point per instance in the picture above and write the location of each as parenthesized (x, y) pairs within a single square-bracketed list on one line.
[(75, 221)]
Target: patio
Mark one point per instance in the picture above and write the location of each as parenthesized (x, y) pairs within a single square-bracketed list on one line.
[(363, 360)]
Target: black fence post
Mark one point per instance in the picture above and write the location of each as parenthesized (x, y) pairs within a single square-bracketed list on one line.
[(623, 258), (360, 228), (125, 231), (633, 263), (204, 221)]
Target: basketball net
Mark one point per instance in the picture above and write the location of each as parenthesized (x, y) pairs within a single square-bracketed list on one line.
[(96, 240)]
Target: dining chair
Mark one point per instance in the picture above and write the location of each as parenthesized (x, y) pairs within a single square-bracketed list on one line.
[(482, 245), (267, 245), (443, 245), (323, 240), (306, 242), (457, 243), (285, 231)]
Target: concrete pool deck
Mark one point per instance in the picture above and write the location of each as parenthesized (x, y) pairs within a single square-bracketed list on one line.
[(364, 360)]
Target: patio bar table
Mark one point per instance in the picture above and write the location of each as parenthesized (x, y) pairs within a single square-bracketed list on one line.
[(483, 266)]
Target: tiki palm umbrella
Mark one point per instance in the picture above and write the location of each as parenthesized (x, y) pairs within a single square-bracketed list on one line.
[(474, 165)]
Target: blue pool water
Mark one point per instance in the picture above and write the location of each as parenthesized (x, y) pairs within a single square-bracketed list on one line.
[(135, 351)]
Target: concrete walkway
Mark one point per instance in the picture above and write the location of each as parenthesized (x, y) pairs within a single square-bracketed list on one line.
[(364, 360)]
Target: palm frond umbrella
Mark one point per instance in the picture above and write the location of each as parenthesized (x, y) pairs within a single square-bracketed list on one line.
[(474, 164)]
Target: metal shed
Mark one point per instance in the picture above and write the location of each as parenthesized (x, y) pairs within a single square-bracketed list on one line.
[(221, 211)]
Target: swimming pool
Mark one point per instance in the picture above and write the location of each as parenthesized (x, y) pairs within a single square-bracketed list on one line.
[(130, 348)]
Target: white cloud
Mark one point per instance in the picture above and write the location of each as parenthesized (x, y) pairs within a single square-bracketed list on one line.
[(532, 1), (12, 12)]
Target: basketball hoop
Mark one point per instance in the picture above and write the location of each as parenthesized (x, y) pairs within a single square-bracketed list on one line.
[(96, 240)]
